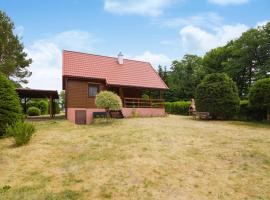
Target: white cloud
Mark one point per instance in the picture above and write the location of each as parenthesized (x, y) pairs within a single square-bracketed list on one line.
[(207, 19), (262, 23), (47, 57), (228, 2), (197, 40), (139, 7), (154, 59)]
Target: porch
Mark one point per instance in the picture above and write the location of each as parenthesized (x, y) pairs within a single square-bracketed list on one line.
[(132, 97)]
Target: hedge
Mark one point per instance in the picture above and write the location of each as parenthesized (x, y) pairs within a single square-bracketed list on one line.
[(33, 111), (248, 112), (43, 105), (178, 107)]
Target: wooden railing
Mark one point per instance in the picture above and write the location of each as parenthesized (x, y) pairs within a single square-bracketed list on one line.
[(143, 103)]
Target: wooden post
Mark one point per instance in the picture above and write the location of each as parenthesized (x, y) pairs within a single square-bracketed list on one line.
[(268, 114), (66, 97), (25, 106), (51, 107), (121, 94)]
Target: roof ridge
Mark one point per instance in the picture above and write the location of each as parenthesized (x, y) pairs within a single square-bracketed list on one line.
[(104, 56)]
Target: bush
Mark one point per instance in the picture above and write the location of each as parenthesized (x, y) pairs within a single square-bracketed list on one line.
[(244, 111), (33, 111), (247, 112), (10, 107), (22, 132), (57, 108), (259, 96), (43, 106), (179, 107), (109, 101), (218, 95), (32, 104)]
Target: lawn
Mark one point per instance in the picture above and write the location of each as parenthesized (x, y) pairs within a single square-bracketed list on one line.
[(141, 158)]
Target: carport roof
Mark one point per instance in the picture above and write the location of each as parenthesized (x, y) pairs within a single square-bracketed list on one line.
[(35, 93)]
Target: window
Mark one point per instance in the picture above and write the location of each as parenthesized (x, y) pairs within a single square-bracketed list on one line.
[(93, 90)]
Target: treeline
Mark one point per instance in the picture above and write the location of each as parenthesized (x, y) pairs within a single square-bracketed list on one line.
[(245, 60)]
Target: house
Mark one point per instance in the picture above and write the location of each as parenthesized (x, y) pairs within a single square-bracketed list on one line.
[(85, 75)]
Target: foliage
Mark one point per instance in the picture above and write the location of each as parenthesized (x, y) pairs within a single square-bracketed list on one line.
[(21, 131), (10, 107), (62, 99), (163, 73), (42, 104), (218, 95), (185, 76), (33, 111), (245, 60), (108, 100), (244, 110), (13, 60), (32, 103), (180, 107), (259, 95), (214, 59), (248, 112), (145, 96), (57, 107)]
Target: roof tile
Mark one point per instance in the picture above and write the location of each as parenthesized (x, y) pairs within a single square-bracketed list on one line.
[(131, 73)]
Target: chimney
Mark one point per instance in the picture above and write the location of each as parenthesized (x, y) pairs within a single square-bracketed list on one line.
[(120, 59)]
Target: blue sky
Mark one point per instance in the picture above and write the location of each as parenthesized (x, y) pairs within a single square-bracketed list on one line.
[(157, 31)]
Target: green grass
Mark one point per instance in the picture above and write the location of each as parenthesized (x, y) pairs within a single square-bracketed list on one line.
[(140, 158)]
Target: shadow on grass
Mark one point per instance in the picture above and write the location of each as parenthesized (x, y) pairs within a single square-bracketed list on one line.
[(104, 122), (255, 124)]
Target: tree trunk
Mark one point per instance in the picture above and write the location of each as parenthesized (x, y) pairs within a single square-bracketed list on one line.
[(268, 114)]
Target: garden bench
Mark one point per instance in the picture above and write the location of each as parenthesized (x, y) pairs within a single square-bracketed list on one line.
[(201, 115)]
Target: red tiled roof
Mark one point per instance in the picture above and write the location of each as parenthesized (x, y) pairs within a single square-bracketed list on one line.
[(131, 73)]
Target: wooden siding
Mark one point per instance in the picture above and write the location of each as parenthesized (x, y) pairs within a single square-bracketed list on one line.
[(77, 93)]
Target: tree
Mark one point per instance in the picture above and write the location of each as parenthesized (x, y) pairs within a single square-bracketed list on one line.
[(185, 76), (62, 99), (214, 59), (245, 60), (109, 101), (13, 60), (218, 95), (10, 107), (259, 96), (162, 72)]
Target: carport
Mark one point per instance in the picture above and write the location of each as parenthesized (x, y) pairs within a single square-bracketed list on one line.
[(26, 94)]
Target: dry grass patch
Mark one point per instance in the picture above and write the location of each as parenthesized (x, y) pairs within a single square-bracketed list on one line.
[(141, 158)]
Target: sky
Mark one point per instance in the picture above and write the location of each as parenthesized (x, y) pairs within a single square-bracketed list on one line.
[(157, 31)]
